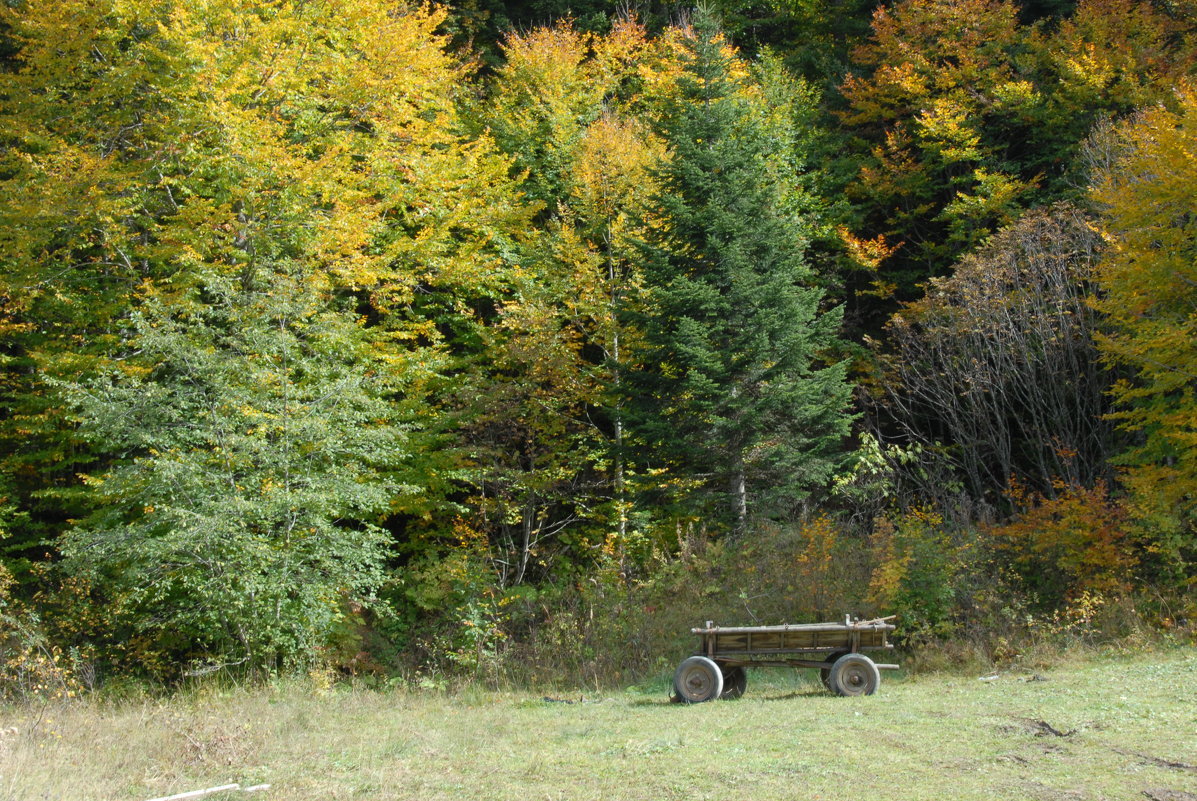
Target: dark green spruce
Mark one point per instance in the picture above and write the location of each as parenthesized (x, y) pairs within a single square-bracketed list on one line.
[(731, 388)]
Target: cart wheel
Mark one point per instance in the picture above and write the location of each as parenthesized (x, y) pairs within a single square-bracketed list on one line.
[(854, 674), (825, 673), (698, 679), (735, 681)]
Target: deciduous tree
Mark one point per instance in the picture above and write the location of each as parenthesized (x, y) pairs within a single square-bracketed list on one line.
[(259, 449), (998, 365), (1148, 292), (175, 175)]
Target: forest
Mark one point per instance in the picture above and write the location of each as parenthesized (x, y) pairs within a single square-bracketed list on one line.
[(508, 340)]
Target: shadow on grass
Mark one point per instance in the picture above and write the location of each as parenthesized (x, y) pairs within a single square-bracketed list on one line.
[(762, 695)]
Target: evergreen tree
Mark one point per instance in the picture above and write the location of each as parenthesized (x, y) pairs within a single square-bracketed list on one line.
[(728, 394)]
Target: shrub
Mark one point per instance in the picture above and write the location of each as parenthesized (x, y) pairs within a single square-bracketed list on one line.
[(1062, 547), (31, 667), (917, 564)]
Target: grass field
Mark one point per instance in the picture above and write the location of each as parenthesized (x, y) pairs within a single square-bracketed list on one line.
[(1112, 727)]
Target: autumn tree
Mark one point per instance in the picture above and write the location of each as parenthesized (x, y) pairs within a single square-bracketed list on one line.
[(945, 84), (1148, 292), (177, 176), (547, 437), (545, 96), (997, 362), (727, 391), (970, 117), (1073, 543)]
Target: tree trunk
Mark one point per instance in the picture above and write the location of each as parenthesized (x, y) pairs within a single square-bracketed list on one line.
[(739, 497)]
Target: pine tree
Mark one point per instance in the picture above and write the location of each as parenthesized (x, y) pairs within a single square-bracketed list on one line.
[(728, 394)]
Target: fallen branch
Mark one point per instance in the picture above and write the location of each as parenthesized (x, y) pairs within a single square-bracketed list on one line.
[(198, 793), (224, 788)]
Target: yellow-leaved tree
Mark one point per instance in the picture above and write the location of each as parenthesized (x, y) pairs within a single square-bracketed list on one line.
[(564, 107), (1148, 292), (236, 237)]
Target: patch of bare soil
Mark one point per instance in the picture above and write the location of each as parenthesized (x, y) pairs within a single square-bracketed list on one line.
[(1169, 795), (1158, 761), (1039, 728)]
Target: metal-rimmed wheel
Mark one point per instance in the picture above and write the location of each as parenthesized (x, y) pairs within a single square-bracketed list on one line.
[(735, 682), (854, 674), (825, 673), (698, 679)]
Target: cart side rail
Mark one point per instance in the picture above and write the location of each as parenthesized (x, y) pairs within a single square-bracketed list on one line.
[(877, 624)]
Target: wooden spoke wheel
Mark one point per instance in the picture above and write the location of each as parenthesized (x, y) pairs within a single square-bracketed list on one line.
[(854, 674), (698, 679), (735, 682)]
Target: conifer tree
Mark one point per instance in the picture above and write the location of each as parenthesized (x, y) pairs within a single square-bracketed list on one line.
[(729, 395)]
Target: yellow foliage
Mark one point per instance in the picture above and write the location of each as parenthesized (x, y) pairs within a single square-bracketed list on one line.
[(1070, 544), (1118, 50), (1148, 282)]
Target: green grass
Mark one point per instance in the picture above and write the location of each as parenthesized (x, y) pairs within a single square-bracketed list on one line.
[(939, 737)]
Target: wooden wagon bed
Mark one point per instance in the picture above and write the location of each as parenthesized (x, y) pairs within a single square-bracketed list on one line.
[(718, 669)]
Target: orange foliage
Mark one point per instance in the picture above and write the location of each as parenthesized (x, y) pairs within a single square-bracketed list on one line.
[(1070, 544), (815, 568)]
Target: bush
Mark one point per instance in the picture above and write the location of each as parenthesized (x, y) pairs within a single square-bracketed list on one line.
[(605, 630), (915, 578), (32, 668), (1064, 546)]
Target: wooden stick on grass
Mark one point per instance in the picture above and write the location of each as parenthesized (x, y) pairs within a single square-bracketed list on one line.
[(198, 793), (201, 793)]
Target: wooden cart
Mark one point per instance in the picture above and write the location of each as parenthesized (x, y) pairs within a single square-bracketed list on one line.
[(719, 669)]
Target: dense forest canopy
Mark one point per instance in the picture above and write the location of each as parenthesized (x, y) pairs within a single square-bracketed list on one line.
[(446, 340)]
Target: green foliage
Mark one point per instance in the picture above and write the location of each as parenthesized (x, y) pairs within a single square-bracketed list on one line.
[(547, 93), (605, 630), (32, 666), (946, 83), (245, 318), (313, 343), (542, 472), (454, 614), (726, 388), (254, 440), (918, 565)]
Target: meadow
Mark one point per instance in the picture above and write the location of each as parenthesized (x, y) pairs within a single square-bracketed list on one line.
[(1106, 726)]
